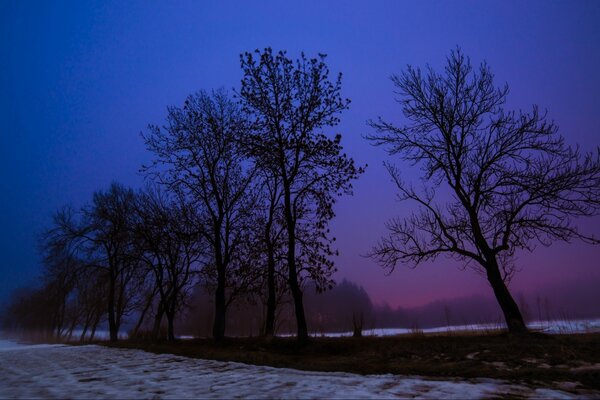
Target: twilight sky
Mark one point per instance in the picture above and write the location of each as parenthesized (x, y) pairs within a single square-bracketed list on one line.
[(80, 80)]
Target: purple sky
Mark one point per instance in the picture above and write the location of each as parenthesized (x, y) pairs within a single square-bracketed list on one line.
[(80, 80)]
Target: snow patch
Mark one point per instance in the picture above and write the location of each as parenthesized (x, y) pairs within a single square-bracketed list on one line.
[(9, 345), (551, 327), (100, 372)]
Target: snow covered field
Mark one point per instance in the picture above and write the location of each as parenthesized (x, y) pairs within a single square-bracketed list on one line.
[(551, 327), (6, 345), (99, 372)]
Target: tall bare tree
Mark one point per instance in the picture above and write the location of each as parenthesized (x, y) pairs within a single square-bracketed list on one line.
[(198, 156), (512, 180), (292, 102)]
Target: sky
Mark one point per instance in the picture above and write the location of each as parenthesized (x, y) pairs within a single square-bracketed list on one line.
[(80, 80)]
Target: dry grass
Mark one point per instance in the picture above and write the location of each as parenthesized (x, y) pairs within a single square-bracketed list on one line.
[(531, 359)]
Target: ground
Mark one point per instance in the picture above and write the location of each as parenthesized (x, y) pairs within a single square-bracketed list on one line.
[(93, 371), (536, 359)]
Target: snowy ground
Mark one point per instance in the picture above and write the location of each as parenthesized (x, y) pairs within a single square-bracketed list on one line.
[(99, 372), (6, 345), (550, 327)]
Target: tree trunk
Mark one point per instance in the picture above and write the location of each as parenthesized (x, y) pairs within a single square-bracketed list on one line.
[(85, 328), (61, 316), (95, 325), (120, 303), (293, 274), (298, 305), (357, 324), (170, 328), (157, 320), (143, 315), (512, 314), (112, 324), (71, 329), (271, 299), (220, 307)]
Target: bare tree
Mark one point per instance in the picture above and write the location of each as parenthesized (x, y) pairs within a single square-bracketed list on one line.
[(103, 238), (512, 180), (292, 101), (270, 242), (51, 309), (59, 278), (107, 229), (91, 291), (171, 247), (198, 156), (70, 294)]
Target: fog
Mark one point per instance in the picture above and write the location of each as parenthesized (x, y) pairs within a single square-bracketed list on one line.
[(333, 310)]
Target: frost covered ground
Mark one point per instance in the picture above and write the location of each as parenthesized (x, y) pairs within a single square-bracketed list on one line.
[(55, 371)]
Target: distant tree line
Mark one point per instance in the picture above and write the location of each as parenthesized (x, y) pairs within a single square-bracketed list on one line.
[(241, 190), (341, 309)]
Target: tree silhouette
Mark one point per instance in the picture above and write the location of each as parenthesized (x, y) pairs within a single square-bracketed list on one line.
[(272, 238), (169, 244), (102, 237), (269, 244), (292, 102), (60, 271), (198, 156), (90, 300), (513, 182)]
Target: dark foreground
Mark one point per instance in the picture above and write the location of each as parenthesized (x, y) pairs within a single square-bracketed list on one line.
[(533, 359)]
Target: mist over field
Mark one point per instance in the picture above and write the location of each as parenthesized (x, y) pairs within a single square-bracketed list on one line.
[(333, 311)]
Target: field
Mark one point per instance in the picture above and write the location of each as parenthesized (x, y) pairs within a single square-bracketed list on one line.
[(539, 359), (424, 365), (59, 371)]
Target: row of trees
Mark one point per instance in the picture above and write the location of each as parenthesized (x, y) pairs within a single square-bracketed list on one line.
[(124, 251), (243, 190), (241, 194)]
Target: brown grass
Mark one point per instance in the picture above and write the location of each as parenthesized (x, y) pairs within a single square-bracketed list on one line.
[(532, 359)]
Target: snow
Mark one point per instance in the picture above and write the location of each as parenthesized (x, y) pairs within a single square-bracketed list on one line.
[(551, 327), (6, 345), (567, 326), (100, 372), (100, 334)]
